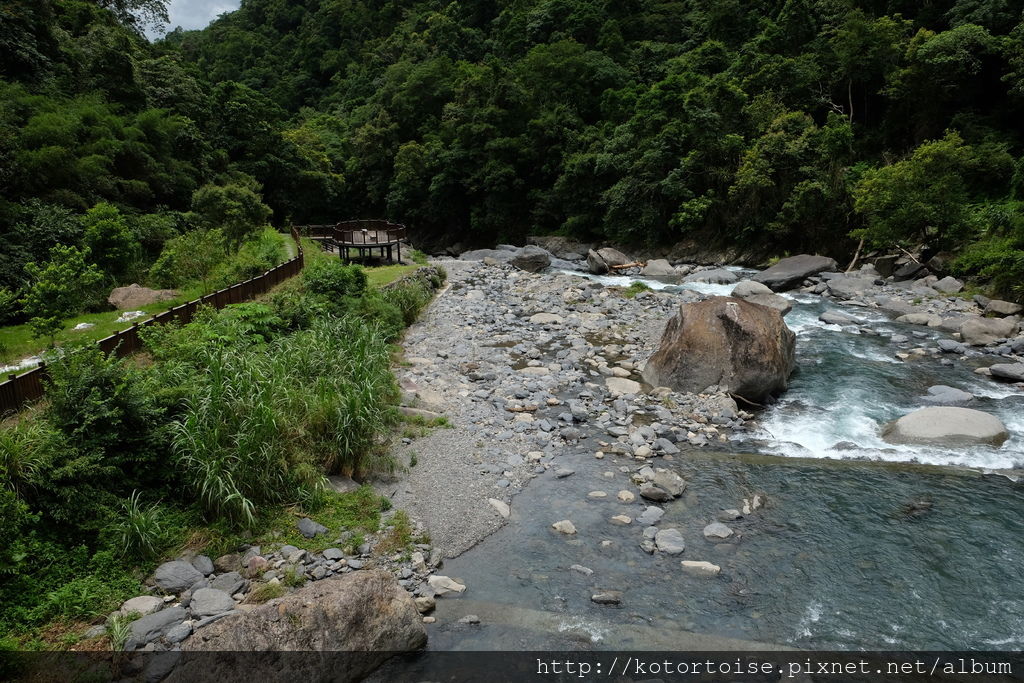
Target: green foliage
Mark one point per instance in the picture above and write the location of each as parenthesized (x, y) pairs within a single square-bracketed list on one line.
[(265, 592), (138, 529), (234, 208), (190, 257), (634, 289), (109, 240), (58, 289), (333, 280)]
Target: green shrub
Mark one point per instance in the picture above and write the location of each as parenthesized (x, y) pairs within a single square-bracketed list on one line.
[(332, 279), (139, 530)]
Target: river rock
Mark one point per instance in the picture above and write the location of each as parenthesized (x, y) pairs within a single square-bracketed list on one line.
[(546, 319), (229, 582), (309, 528), (602, 260), (209, 601), (176, 576), (779, 303), (1011, 371), (607, 597), (741, 347), (941, 394), (652, 492), (142, 605), (658, 268), (499, 255), (443, 585), (717, 530), (946, 426), (791, 272), (620, 386), (997, 307), (702, 567), (948, 285), (650, 516), (848, 287), (982, 331), (671, 482), (836, 318), (153, 626), (952, 346), (500, 506), (750, 288), (135, 296), (670, 541), (531, 258), (367, 615), (565, 527), (714, 276)]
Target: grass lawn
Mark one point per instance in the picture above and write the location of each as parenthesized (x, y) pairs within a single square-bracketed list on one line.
[(16, 341)]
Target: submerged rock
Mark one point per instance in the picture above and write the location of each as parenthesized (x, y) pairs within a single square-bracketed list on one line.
[(946, 426)]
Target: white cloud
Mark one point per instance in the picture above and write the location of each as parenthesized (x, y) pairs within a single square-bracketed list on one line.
[(194, 14)]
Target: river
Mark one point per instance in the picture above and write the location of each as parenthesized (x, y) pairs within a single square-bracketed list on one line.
[(868, 546)]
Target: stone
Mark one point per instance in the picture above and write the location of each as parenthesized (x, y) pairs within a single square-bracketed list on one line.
[(613, 257), (670, 541), (941, 394), (671, 482), (997, 307), (367, 615), (607, 597), (621, 520), (565, 527), (178, 633), (951, 346), (469, 619), (546, 319), (743, 348), (425, 604), (333, 554), (700, 567), (929, 319), (779, 303), (982, 331), (946, 426), (586, 571), (531, 258), (500, 506), (228, 563), (658, 268), (230, 583), (717, 530), (652, 492), (847, 287), (135, 296), (651, 515), (626, 496), (790, 272), (748, 288), (909, 271), (714, 276), (499, 255), (176, 576), (620, 386), (948, 285), (309, 528), (142, 605), (595, 263), (837, 318), (153, 626), (209, 601), (1011, 371), (204, 564), (443, 585)]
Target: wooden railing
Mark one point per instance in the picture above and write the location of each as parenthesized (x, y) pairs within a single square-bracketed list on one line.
[(20, 390)]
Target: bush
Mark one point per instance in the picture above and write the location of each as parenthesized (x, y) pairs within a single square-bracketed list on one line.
[(191, 257), (58, 289), (235, 207), (332, 279)]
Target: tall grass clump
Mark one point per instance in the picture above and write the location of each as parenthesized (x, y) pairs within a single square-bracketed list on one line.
[(266, 422)]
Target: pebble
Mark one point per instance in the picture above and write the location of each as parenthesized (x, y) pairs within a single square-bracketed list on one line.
[(565, 527)]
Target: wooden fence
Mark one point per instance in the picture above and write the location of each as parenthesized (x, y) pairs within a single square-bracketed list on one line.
[(20, 390)]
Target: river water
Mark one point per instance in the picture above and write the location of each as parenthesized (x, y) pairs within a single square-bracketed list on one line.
[(868, 546)]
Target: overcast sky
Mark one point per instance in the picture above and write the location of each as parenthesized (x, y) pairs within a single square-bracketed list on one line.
[(190, 14)]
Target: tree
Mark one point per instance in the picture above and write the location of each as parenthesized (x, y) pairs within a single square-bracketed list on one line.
[(192, 256), (234, 208), (138, 14), (59, 289), (109, 240)]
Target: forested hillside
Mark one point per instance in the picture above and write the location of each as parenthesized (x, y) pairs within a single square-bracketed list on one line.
[(796, 124)]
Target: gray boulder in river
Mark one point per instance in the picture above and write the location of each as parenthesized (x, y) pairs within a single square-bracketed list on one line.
[(365, 614), (531, 258), (946, 426), (1011, 371), (604, 259), (741, 347), (791, 272), (981, 331)]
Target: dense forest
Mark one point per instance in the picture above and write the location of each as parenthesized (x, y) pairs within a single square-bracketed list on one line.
[(793, 124)]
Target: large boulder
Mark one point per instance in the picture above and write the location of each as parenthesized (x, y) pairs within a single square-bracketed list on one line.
[(531, 258), (714, 276), (1011, 371), (741, 347), (982, 331), (849, 287), (790, 272), (946, 426), (135, 296), (176, 576), (602, 260), (749, 288), (659, 267), (998, 307), (365, 614)]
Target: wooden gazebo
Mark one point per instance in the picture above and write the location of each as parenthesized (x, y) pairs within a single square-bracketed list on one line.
[(364, 237)]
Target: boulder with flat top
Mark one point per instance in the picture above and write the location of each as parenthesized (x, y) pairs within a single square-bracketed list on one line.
[(790, 272)]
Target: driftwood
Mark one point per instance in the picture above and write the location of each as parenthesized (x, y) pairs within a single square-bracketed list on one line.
[(856, 256), (628, 265)]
